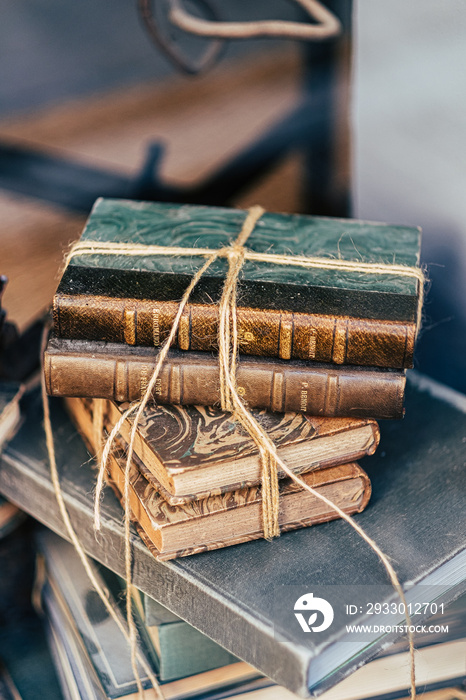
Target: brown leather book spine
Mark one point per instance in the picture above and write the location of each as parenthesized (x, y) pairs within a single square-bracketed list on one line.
[(193, 379), (336, 339)]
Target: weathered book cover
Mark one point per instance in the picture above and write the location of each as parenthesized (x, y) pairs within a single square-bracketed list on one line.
[(223, 520), (266, 332), (79, 680), (180, 649), (197, 451), (120, 372), (77, 677), (261, 285), (77, 611), (416, 516), (105, 645)]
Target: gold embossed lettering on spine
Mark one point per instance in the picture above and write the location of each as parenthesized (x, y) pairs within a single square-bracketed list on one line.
[(263, 332)]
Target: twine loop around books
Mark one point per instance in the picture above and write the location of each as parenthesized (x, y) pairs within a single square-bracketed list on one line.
[(236, 254), (82, 248)]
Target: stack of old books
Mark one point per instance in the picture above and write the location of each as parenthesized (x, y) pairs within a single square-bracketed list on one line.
[(323, 356), (90, 653), (92, 660)]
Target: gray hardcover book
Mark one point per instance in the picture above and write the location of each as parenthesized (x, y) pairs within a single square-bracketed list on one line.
[(157, 614), (416, 516), (72, 590), (177, 648), (78, 679), (87, 631)]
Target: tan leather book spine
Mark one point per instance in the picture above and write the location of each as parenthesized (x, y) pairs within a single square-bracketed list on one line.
[(193, 378), (263, 332)]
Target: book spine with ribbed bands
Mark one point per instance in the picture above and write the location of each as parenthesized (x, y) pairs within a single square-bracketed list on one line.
[(93, 370), (262, 332)]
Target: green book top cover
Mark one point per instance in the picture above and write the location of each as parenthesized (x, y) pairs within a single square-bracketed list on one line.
[(261, 284)]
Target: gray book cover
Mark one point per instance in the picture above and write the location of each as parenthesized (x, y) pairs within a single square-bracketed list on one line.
[(416, 516), (105, 646), (177, 648), (184, 651), (78, 679), (157, 614)]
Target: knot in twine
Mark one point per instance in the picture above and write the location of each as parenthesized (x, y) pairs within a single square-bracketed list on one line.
[(235, 253), (229, 398)]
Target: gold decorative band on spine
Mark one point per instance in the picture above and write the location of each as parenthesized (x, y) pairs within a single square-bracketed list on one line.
[(184, 330), (286, 337), (175, 384), (339, 341), (331, 394), (121, 381), (130, 320), (277, 392)]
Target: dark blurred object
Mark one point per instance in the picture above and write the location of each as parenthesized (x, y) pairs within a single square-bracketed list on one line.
[(76, 186), (19, 354), (8, 331), (441, 347), (17, 557), (20, 358), (8, 690), (316, 128), (23, 647), (327, 78)]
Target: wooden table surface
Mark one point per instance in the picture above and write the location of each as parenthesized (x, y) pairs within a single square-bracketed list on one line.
[(203, 122)]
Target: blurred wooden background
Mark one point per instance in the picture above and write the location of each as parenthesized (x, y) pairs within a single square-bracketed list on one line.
[(202, 123)]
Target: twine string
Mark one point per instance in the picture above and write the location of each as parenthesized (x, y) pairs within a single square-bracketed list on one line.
[(261, 438), (328, 25), (98, 414), (110, 248), (130, 636), (103, 463), (139, 408), (230, 400)]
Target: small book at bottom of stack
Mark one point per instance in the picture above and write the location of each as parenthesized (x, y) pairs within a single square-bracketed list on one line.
[(180, 450)]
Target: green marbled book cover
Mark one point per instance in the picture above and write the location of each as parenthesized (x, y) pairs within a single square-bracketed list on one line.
[(260, 284)]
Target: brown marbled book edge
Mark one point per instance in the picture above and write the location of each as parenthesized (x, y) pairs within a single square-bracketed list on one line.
[(152, 464), (154, 514), (142, 516)]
